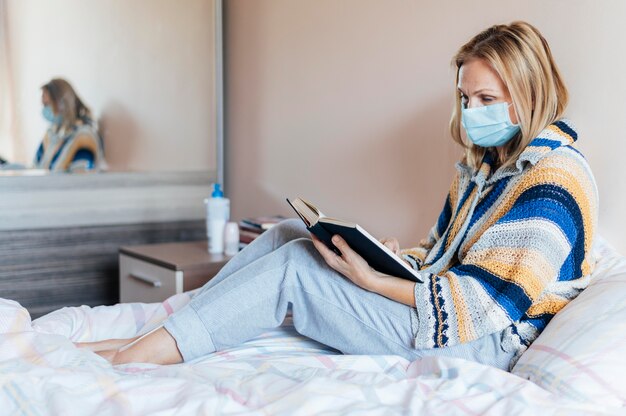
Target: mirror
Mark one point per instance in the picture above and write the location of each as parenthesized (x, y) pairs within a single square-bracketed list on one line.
[(149, 70)]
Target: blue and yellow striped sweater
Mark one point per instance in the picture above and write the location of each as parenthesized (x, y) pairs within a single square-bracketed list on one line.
[(510, 247), (77, 148)]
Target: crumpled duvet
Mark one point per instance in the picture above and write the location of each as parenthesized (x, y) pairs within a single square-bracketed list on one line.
[(278, 373)]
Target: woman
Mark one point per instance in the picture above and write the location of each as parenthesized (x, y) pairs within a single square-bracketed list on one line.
[(511, 247), (72, 142)]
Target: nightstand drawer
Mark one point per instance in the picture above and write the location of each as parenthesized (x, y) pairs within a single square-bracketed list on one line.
[(154, 272), (141, 281)]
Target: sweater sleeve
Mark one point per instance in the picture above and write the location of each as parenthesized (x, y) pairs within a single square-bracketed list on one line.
[(81, 153), (501, 277)]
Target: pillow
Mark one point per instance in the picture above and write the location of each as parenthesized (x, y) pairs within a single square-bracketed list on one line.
[(581, 353), (13, 317)]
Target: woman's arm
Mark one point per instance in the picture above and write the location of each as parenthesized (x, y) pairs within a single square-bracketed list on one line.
[(394, 288), (355, 268)]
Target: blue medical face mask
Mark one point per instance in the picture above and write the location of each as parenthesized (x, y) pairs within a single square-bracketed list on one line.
[(48, 114), (489, 125)]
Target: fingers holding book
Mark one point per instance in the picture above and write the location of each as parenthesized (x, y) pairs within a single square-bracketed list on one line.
[(349, 263), (384, 257), (331, 258), (391, 243)]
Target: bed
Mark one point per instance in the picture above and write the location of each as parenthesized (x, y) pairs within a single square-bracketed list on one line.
[(576, 366)]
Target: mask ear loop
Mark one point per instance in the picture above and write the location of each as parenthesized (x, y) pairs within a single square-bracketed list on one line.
[(515, 111)]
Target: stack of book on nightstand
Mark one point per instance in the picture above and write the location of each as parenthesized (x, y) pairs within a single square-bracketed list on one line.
[(251, 228)]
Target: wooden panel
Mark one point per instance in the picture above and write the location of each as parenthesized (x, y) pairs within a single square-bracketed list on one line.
[(46, 269)]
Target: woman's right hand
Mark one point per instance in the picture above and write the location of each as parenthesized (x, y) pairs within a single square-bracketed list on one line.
[(392, 244)]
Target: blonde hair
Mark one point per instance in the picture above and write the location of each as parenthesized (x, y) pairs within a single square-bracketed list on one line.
[(522, 58), (67, 103)]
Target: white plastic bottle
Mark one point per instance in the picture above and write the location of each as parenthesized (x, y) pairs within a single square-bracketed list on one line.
[(217, 215)]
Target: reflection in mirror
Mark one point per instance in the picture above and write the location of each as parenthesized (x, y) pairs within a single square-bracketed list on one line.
[(72, 142), (146, 71)]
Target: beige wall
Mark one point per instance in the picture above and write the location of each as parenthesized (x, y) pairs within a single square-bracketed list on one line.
[(145, 67), (346, 102)]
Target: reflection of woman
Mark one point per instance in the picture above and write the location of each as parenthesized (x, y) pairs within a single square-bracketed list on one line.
[(72, 142), (511, 247)]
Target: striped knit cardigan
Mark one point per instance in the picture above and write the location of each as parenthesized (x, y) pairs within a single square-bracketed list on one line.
[(75, 149), (510, 248)]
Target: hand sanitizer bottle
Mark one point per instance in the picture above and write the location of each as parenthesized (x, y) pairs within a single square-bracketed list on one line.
[(218, 214)]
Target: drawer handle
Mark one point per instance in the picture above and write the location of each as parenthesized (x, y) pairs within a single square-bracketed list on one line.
[(147, 280)]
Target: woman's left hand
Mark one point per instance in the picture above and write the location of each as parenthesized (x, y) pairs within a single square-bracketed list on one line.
[(350, 264)]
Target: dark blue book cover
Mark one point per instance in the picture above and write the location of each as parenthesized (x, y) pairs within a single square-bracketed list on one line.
[(377, 255)]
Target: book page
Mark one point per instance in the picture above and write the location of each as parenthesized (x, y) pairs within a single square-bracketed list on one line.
[(307, 212)]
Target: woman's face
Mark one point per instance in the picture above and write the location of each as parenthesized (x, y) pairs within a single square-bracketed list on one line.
[(480, 85), (46, 100)]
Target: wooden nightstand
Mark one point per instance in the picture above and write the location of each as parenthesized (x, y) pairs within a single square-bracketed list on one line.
[(153, 272)]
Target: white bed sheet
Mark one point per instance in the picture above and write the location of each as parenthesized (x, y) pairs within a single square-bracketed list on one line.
[(279, 372)]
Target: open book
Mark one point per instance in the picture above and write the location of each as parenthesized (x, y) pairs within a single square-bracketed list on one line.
[(376, 254)]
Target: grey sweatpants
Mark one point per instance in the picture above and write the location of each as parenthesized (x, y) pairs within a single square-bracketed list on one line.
[(253, 290)]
